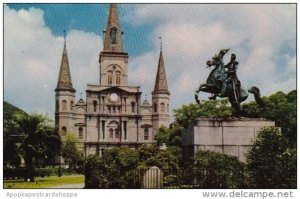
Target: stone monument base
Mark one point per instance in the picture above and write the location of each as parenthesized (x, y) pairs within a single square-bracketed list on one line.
[(232, 136)]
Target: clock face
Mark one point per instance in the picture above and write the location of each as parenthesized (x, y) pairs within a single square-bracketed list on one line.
[(114, 97)]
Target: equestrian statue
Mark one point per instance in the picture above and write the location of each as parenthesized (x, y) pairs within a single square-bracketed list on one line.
[(223, 82)]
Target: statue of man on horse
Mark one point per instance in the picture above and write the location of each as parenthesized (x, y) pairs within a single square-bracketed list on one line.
[(223, 82)]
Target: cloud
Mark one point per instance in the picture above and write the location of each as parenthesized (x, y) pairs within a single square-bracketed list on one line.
[(83, 52), (32, 56), (193, 33), (262, 35), (142, 72)]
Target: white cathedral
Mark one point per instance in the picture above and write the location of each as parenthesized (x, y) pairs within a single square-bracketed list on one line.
[(112, 113)]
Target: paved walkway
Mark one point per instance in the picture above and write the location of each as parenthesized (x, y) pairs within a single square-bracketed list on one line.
[(69, 186)]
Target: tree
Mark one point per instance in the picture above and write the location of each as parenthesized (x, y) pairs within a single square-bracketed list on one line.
[(169, 136), (208, 169), (146, 152), (281, 108), (168, 160), (117, 168), (92, 172), (188, 113), (39, 142), (71, 154), (11, 155), (271, 163)]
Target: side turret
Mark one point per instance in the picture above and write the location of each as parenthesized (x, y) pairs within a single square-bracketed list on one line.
[(64, 96), (160, 97)]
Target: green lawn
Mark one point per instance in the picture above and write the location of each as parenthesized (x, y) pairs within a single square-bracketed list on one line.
[(44, 182)]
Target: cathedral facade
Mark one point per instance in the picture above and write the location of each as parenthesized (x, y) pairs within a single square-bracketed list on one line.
[(112, 113)]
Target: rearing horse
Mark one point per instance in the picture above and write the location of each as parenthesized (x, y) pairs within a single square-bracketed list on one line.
[(217, 85)]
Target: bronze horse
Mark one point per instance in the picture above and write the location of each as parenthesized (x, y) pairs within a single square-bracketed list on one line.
[(218, 84)]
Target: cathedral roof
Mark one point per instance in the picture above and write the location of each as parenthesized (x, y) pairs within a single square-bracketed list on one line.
[(64, 79), (146, 103), (113, 34), (161, 85), (80, 102)]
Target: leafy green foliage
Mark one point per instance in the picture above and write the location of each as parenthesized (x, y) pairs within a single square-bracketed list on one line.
[(272, 160), (146, 152), (169, 136), (11, 156), (10, 110), (281, 108), (37, 142), (124, 167), (92, 172), (271, 163), (71, 154), (168, 160), (214, 170), (212, 108), (30, 137), (115, 169)]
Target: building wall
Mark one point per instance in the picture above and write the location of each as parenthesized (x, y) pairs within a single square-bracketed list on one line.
[(101, 115), (113, 64), (160, 110)]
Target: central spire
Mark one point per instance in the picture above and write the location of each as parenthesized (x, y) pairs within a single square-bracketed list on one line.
[(113, 34)]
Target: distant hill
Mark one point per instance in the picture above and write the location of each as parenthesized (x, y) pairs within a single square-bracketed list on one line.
[(9, 110)]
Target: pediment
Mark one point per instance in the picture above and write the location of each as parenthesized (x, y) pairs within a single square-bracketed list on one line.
[(103, 88), (146, 126), (79, 124)]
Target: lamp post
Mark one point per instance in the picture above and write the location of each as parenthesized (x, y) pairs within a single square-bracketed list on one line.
[(59, 165)]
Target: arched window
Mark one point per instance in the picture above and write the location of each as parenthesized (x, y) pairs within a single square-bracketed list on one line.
[(95, 106), (146, 134), (64, 131), (109, 77), (162, 107), (71, 105), (155, 107), (117, 134), (80, 132), (111, 133), (118, 78), (113, 35), (132, 107), (168, 108), (56, 106), (64, 105)]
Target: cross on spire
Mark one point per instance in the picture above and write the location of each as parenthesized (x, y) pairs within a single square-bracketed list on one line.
[(160, 38), (65, 36), (161, 85), (64, 79)]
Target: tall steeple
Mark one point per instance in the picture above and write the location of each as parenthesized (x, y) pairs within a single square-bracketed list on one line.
[(113, 61), (113, 34), (160, 96), (161, 85), (64, 79)]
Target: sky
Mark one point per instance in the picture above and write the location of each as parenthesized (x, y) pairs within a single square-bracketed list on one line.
[(263, 37)]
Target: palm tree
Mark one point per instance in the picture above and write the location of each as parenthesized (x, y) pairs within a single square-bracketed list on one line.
[(39, 142), (11, 138)]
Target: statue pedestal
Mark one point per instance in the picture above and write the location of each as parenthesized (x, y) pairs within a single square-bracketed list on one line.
[(232, 136)]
